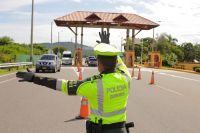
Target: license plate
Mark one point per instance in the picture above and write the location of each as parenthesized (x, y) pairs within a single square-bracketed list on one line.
[(44, 67)]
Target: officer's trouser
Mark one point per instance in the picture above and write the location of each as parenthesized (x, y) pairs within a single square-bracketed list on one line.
[(113, 128)]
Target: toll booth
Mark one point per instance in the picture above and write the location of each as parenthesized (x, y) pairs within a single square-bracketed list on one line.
[(78, 56), (154, 60), (107, 20), (129, 58)]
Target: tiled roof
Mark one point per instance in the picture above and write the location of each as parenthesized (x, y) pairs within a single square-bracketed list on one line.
[(105, 19)]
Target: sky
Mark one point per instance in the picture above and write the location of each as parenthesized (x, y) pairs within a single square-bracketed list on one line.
[(179, 18)]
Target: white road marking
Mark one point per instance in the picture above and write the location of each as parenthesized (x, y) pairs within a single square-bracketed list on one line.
[(6, 80), (171, 91), (76, 71), (134, 77), (175, 76), (7, 74)]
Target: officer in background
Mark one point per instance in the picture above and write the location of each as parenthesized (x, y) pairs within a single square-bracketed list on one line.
[(107, 92)]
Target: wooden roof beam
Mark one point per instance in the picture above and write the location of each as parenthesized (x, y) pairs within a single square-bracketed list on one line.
[(72, 30)]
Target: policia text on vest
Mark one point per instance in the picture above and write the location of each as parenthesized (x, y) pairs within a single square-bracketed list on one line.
[(117, 91)]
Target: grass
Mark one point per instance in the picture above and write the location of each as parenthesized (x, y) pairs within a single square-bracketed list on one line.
[(189, 66)]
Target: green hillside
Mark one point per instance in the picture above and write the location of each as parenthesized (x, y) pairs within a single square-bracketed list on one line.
[(9, 50), (70, 46)]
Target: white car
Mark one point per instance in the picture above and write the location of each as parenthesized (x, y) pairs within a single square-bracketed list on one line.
[(48, 62)]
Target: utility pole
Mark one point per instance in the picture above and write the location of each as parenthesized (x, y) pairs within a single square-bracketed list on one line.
[(121, 43), (51, 33), (153, 41), (58, 38), (31, 47), (141, 52)]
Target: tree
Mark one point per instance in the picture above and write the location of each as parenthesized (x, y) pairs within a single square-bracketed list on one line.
[(170, 60), (5, 40), (170, 39), (149, 42), (197, 52), (163, 44), (189, 52), (179, 52), (58, 49), (128, 44)]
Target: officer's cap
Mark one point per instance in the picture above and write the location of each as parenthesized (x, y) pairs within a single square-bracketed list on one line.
[(106, 50)]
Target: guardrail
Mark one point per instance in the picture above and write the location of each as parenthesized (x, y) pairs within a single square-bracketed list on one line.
[(12, 65)]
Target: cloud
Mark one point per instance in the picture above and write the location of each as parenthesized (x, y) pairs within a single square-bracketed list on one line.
[(178, 18), (126, 9), (78, 1), (24, 17), (8, 5)]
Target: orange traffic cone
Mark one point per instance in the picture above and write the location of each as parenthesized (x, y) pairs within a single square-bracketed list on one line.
[(152, 79), (132, 75), (80, 77), (139, 75), (84, 110)]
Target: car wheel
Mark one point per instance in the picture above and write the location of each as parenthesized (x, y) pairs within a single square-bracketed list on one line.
[(54, 70), (59, 69), (37, 70)]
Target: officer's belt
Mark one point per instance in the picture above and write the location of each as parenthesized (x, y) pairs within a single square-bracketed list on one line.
[(111, 126)]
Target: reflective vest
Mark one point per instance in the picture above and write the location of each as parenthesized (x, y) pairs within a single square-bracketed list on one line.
[(107, 95)]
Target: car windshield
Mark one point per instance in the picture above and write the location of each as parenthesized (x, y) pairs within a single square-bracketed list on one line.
[(92, 59), (67, 55), (47, 57)]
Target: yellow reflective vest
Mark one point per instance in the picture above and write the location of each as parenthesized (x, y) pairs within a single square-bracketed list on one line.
[(107, 94)]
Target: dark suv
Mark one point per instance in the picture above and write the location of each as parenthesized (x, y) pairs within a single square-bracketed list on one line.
[(91, 61)]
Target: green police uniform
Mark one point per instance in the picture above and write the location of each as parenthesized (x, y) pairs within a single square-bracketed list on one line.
[(107, 92)]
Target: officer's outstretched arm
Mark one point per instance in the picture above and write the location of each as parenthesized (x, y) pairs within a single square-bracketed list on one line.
[(32, 77), (122, 67), (71, 87)]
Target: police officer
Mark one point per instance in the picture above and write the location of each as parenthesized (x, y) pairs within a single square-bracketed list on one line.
[(107, 92)]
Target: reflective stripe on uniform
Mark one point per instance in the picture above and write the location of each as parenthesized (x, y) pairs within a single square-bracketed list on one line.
[(127, 78), (64, 86), (119, 65), (100, 111), (59, 84)]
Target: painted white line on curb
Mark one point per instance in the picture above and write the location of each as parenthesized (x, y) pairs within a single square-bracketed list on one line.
[(175, 76), (169, 90), (6, 80), (7, 74)]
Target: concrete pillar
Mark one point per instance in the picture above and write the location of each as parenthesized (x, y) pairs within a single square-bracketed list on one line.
[(108, 31), (81, 37), (133, 40), (76, 36), (127, 36)]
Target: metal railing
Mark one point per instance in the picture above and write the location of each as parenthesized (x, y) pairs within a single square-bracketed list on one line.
[(18, 64)]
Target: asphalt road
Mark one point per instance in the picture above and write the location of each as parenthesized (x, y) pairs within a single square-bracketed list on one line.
[(172, 105)]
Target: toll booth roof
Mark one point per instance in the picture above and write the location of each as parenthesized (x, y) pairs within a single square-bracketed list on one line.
[(105, 20)]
